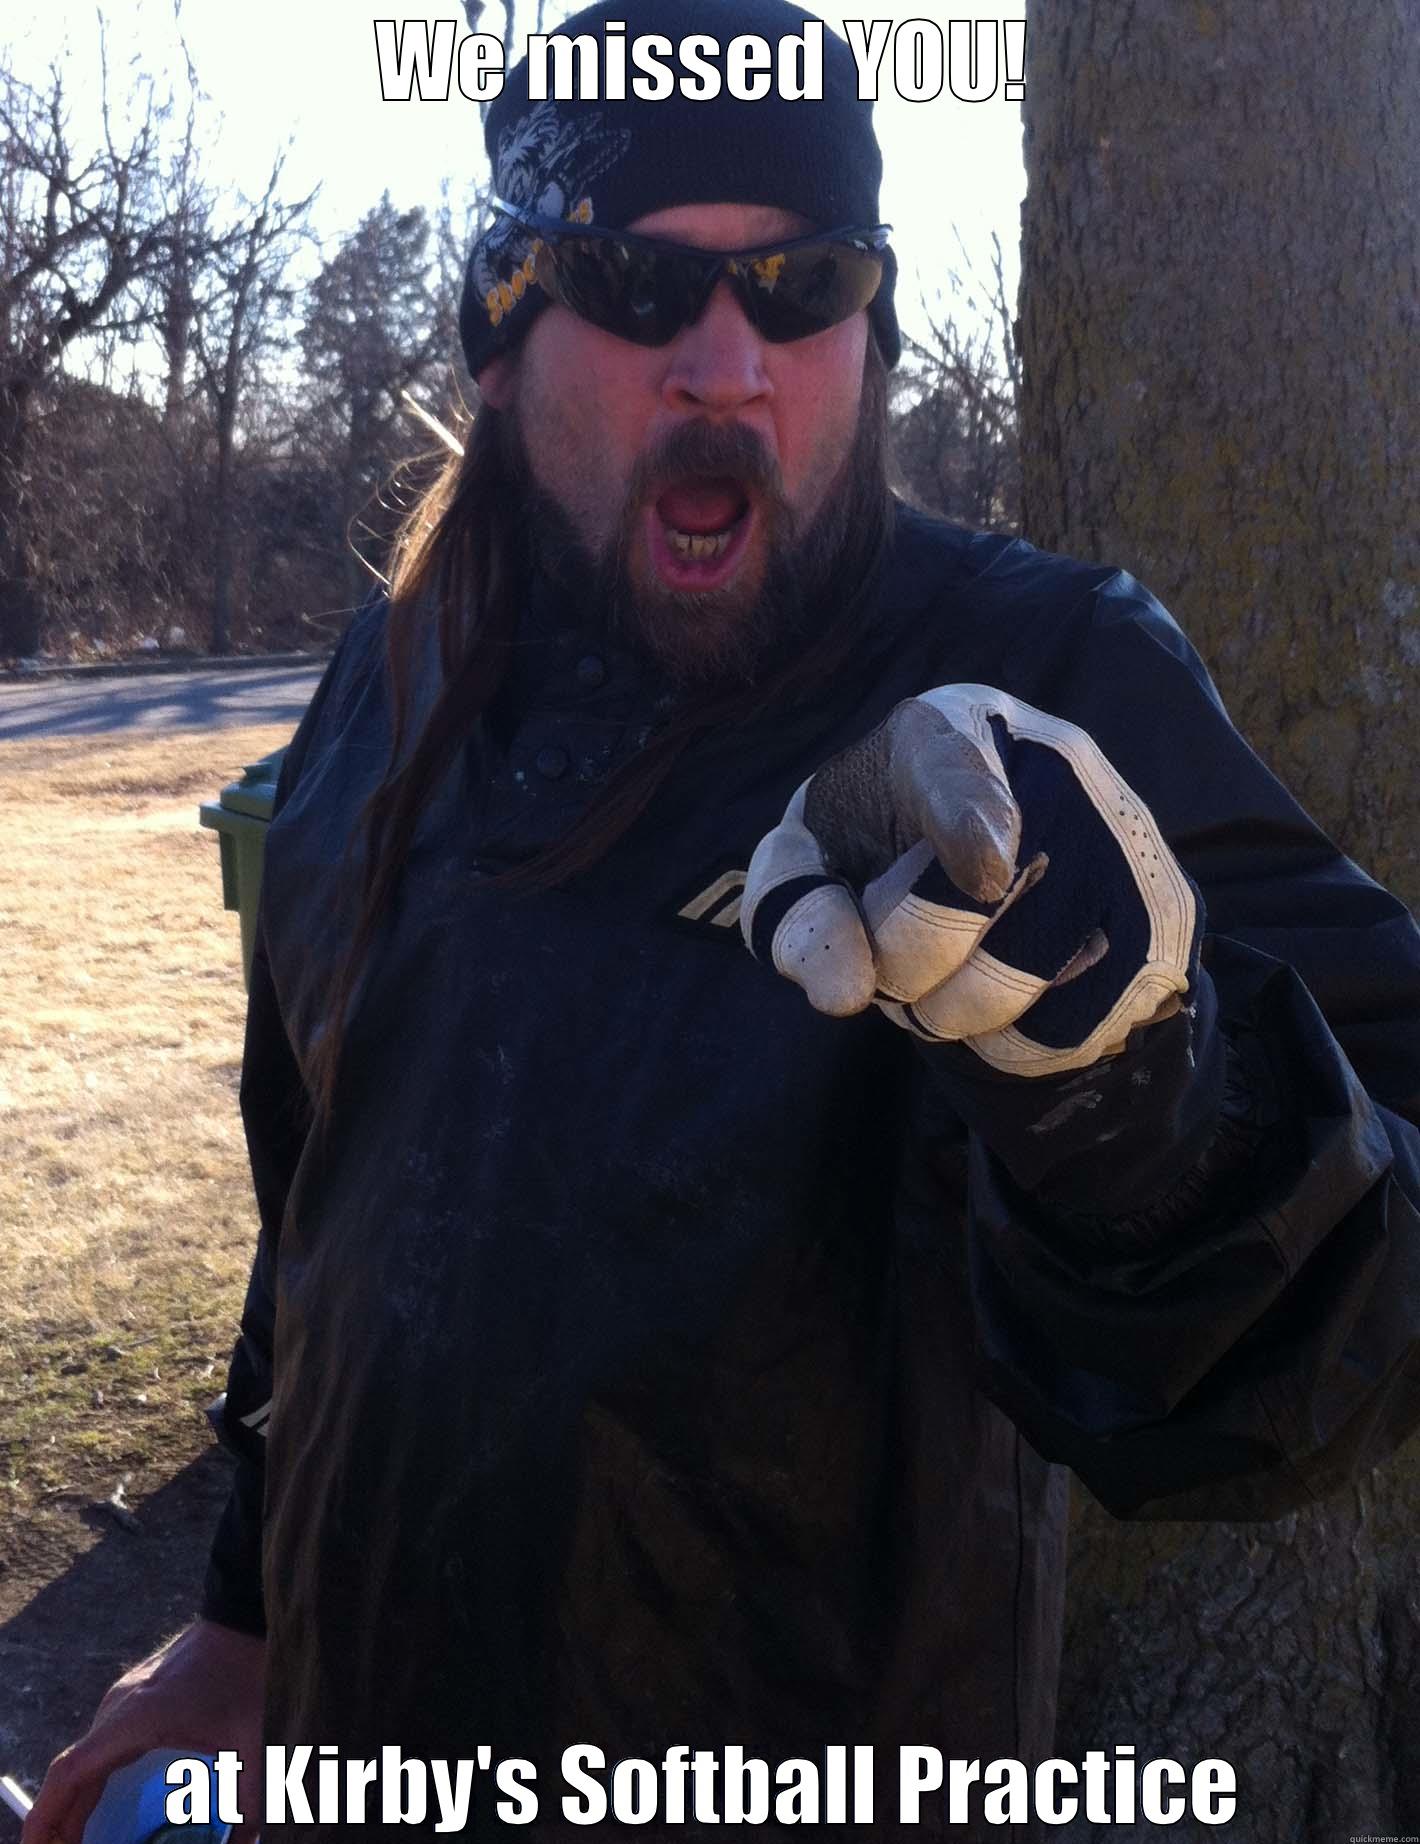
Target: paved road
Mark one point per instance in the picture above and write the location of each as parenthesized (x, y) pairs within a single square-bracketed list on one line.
[(157, 701)]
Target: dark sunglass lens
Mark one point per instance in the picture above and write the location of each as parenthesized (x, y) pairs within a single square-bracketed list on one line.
[(624, 289), (804, 291), (646, 294)]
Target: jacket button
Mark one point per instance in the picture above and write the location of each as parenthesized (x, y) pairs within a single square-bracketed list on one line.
[(591, 671), (551, 762)]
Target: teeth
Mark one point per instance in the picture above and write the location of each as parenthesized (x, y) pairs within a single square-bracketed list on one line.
[(698, 544)]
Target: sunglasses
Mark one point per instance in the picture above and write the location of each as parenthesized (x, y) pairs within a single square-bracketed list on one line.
[(647, 290)]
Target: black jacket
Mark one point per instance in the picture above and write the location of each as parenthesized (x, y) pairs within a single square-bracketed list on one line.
[(655, 1360)]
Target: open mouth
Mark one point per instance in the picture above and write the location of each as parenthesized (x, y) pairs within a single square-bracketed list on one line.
[(698, 532)]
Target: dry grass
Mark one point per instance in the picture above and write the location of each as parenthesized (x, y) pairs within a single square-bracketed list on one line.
[(126, 1217)]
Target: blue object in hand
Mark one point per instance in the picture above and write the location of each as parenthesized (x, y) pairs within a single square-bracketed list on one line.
[(133, 1808)]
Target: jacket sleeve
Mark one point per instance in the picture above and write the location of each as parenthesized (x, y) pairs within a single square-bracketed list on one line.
[(1195, 1268), (276, 1118)]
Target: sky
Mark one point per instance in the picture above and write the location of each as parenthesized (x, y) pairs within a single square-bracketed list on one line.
[(305, 72)]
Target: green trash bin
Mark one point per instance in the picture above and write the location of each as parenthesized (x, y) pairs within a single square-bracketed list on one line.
[(240, 818)]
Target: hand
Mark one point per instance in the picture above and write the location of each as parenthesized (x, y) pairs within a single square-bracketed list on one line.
[(979, 870), (202, 1692)]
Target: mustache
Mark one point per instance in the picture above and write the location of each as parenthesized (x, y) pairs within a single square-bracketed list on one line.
[(708, 451)]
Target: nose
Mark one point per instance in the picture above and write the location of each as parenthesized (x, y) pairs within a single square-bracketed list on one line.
[(716, 366)]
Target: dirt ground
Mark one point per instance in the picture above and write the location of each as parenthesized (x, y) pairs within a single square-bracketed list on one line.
[(126, 1217)]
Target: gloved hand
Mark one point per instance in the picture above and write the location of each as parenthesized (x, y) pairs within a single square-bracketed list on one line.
[(981, 871)]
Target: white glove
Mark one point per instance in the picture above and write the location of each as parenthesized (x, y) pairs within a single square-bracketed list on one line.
[(979, 870)]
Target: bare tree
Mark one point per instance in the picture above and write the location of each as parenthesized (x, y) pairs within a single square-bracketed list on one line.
[(954, 410), (236, 319), (456, 224), (373, 330), (178, 304), (81, 228), (181, 255)]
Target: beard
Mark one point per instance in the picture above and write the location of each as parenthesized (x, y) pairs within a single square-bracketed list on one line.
[(729, 635)]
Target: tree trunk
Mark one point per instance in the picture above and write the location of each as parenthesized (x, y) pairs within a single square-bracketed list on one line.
[(176, 329), (222, 534), (1291, 1650), (1221, 393), (21, 609), (355, 576), (1221, 330)]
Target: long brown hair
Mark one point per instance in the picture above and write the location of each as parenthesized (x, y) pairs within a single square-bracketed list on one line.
[(463, 553)]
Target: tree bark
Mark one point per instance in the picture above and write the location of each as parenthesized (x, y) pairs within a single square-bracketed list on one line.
[(21, 609), (176, 329), (1291, 1650), (1221, 345), (1221, 393), (352, 571), (222, 529)]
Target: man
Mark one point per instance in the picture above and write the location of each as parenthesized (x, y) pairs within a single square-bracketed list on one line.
[(658, 1351)]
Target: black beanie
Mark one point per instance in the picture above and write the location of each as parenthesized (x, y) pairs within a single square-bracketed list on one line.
[(610, 162)]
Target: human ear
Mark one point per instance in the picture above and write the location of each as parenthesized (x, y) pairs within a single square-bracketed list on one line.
[(497, 380)]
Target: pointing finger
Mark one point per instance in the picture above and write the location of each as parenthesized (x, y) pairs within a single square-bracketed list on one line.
[(945, 790)]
